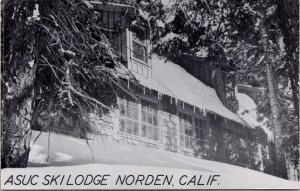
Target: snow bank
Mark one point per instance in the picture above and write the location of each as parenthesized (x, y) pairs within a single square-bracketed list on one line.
[(123, 159), (247, 111), (171, 79)]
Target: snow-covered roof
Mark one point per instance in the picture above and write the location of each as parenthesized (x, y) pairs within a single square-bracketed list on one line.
[(247, 111), (171, 79)]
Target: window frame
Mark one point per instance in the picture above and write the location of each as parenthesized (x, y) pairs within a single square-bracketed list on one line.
[(127, 118), (139, 120), (191, 138), (204, 129), (143, 44), (146, 124)]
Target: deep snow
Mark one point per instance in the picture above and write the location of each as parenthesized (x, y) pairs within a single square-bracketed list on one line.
[(74, 157)]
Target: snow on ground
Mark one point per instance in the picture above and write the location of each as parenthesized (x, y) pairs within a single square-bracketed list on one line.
[(74, 157), (171, 79), (247, 111), (37, 154)]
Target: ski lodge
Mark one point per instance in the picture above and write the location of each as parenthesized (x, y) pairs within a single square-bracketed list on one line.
[(180, 104)]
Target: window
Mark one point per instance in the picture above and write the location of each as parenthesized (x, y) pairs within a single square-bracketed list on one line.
[(186, 131), (139, 51), (200, 130), (139, 45), (129, 117), (265, 152), (149, 120)]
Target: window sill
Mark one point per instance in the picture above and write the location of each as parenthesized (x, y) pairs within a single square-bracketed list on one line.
[(137, 137), (139, 61)]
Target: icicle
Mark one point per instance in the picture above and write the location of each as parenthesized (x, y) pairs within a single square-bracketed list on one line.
[(204, 112), (182, 105), (171, 100), (194, 109), (159, 96), (144, 90)]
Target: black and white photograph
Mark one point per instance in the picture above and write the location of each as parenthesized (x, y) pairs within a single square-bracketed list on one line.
[(149, 94)]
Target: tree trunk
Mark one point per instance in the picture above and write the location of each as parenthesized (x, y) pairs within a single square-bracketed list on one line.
[(280, 168), (288, 12), (17, 114), (274, 107)]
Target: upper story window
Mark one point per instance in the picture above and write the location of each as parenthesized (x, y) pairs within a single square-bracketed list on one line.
[(139, 48)]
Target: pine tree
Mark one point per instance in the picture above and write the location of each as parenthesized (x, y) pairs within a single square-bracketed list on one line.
[(55, 55), (232, 31)]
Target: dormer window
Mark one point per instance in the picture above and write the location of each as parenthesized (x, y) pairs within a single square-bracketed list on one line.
[(138, 44), (139, 49)]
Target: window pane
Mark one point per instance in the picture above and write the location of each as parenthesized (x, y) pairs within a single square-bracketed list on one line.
[(186, 130), (182, 129), (200, 123), (204, 124), (193, 142), (129, 126), (149, 119), (122, 125), (143, 130), (149, 132), (187, 142), (190, 119), (155, 133), (129, 111), (155, 120), (138, 51), (135, 113), (122, 109), (201, 134), (144, 116), (165, 122), (181, 140), (131, 103), (135, 128), (139, 36), (196, 122), (197, 131)]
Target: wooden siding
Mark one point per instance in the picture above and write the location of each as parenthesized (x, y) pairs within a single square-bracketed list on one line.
[(114, 24)]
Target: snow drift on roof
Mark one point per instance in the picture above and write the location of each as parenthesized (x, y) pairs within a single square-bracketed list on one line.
[(171, 79), (247, 111)]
